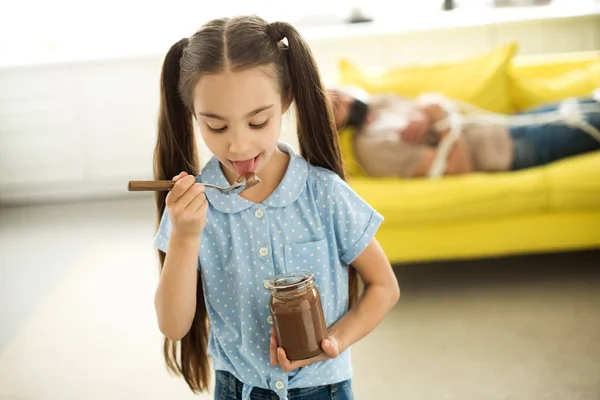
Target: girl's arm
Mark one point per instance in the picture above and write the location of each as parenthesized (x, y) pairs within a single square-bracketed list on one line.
[(175, 298), (380, 294)]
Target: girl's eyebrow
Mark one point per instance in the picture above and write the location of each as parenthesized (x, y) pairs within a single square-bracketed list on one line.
[(250, 114)]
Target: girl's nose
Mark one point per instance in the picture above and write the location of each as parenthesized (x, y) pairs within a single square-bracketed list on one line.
[(238, 143)]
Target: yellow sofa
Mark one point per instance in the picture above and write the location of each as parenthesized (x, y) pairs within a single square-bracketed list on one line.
[(544, 209)]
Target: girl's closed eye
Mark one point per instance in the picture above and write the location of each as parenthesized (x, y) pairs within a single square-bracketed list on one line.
[(220, 129), (260, 125), (217, 129)]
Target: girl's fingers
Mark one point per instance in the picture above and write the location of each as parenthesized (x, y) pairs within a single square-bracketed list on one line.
[(273, 350), (196, 203), (193, 190), (180, 189), (180, 175), (283, 360)]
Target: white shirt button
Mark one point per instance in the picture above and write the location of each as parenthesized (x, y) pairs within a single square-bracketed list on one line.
[(266, 284), (259, 213), (263, 251), (279, 385), (270, 320)]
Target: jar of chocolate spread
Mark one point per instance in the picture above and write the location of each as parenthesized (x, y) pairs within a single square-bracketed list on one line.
[(297, 314)]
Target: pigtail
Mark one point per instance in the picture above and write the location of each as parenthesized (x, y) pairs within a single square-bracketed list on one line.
[(176, 151), (316, 126), (317, 133)]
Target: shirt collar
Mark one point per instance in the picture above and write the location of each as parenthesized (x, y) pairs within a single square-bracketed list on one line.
[(287, 192)]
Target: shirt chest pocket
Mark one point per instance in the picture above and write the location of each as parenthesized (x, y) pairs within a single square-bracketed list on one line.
[(311, 256)]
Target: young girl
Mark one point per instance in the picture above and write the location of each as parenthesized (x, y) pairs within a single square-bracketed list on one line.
[(235, 78)]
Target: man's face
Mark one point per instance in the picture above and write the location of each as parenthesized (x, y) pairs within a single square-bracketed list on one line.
[(340, 104)]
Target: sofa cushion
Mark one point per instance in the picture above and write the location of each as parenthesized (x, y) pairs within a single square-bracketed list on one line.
[(426, 201), (574, 183), (566, 185), (532, 91), (551, 65), (481, 80), (346, 141)]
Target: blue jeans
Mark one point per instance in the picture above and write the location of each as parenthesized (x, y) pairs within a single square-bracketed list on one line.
[(228, 387), (542, 144)]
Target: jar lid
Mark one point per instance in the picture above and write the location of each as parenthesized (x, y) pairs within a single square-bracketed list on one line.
[(291, 280)]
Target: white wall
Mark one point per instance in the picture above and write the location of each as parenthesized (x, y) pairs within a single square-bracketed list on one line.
[(82, 129)]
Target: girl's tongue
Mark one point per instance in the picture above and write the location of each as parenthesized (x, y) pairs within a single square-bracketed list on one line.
[(243, 167)]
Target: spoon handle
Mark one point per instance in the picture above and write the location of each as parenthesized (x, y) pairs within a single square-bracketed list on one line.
[(145, 186)]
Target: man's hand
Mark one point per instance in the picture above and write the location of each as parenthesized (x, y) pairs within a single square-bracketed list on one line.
[(417, 128), (433, 111)]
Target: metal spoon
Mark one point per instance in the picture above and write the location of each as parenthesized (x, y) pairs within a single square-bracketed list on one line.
[(245, 181)]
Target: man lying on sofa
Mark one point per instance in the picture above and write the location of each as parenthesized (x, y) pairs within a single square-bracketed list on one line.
[(395, 136)]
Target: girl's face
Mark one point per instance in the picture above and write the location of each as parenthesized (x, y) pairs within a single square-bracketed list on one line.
[(239, 115)]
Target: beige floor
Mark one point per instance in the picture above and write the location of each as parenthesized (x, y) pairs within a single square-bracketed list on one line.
[(77, 318)]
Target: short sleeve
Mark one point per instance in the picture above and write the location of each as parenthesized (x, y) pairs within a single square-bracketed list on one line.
[(161, 239), (354, 221)]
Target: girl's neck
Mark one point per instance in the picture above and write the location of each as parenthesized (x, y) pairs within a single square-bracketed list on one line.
[(270, 176)]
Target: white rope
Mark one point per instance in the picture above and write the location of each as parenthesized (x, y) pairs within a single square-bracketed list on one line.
[(439, 163), (569, 112)]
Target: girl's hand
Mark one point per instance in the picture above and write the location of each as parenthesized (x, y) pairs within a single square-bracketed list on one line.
[(187, 206), (330, 346)]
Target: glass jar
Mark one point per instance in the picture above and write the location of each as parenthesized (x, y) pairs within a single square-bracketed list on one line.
[(297, 314)]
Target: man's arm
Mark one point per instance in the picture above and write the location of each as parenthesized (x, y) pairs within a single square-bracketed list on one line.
[(459, 158)]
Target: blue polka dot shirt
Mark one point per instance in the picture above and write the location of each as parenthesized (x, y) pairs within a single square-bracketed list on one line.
[(312, 221)]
